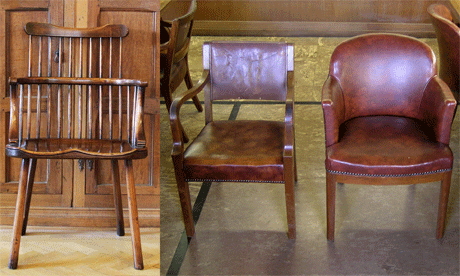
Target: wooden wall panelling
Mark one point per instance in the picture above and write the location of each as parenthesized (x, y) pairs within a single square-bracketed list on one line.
[(312, 17), (76, 207), (140, 61), (53, 185)]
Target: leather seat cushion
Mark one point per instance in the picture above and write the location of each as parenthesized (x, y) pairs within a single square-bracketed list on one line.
[(387, 146), (237, 151)]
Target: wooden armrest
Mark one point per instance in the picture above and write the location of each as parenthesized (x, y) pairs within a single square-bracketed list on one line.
[(333, 109), (289, 118), (138, 140), (437, 108), (77, 81), (174, 117)]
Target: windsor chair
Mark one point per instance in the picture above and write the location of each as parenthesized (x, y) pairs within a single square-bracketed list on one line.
[(240, 150), (74, 104), (176, 31), (388, 125)]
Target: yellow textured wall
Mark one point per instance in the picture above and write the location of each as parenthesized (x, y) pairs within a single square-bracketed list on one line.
[(456, 4)]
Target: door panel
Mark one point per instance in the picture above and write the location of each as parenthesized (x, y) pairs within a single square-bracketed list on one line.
[(139, 61), (53, 187)]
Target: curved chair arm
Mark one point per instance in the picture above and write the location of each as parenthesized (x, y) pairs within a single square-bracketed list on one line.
[(437, 108), (174, 116), (138, 137), (289, 118), (333, 108)]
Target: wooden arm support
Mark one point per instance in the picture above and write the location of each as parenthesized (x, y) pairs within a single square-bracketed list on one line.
[(174, 117)]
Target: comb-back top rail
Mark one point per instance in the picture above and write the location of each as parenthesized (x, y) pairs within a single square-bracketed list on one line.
[(45, 29)]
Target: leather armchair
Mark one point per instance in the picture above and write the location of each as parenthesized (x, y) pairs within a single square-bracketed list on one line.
[(387, 117), (448, 35), (239, 150)]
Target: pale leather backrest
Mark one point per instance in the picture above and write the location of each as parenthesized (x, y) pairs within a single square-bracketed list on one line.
[(248, 70), (382, 74)]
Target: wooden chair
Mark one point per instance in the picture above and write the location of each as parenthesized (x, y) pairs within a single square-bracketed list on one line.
[(239, 151), (448, 35), (387, 118), (73, 104), (176, 32)]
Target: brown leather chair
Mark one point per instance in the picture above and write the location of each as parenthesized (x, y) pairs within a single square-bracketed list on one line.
[(387, 118), (105, 123), (239, 151), (175, 32), (448, 35)]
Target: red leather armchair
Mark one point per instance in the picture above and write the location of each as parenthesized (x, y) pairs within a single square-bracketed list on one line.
[(239, 150), (448, 35), (387, 118)]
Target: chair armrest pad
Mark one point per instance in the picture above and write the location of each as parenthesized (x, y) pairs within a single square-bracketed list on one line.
[(174, 117), (437, 108), (333, 109)]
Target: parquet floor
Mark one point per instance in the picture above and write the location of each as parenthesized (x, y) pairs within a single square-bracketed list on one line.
[(79, 251)]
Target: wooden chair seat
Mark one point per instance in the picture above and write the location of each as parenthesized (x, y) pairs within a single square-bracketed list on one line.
[(387, 145), (254, 149), (75, 149)]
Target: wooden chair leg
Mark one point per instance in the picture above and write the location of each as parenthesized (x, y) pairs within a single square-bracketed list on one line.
[(19, 215), (443, 199), (184, 196), (117, 198), (133, 216), (330, 205), (290, 198), (30, 184)]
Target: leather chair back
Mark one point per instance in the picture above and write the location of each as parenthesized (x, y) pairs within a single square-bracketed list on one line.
[(379, 82), (257, 68)]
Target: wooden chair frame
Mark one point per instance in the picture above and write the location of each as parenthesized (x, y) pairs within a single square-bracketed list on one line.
[(178, 148), (76, 134)]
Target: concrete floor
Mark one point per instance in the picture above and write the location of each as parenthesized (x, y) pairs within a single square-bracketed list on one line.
[(242, 226)]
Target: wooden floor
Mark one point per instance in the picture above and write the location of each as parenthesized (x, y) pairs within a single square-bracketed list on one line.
[(79, 251)]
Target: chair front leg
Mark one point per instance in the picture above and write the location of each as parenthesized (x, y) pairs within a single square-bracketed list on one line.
[(289, 186), (133, 216), (30, 184), (117, 198), (184, 196), (330, 205), (443, 199), (19, 214)]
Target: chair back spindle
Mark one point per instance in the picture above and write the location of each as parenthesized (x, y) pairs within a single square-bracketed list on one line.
[(78, 102)]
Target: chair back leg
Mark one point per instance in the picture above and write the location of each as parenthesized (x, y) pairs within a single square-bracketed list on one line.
[(443, 199), (19, 214), (30, 184), (133, 216), (117, 198), (330, 205)]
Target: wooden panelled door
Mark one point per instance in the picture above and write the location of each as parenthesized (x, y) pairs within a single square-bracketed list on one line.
[(82, 192)]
